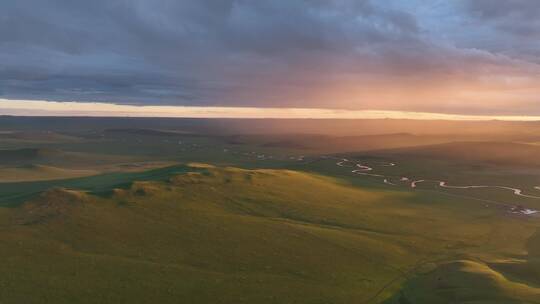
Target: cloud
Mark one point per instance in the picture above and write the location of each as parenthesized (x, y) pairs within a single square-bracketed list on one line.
[(514, 26), (89, 109), (356, 54)]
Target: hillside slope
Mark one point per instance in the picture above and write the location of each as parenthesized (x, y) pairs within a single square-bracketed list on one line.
[(464, 281)]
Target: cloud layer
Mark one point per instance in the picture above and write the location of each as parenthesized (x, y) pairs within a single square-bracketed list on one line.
[(466, 56)]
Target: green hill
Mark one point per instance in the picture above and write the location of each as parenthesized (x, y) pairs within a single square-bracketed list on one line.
[(465, 281)]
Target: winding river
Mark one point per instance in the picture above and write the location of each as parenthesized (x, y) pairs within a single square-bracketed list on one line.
[(362, 169)]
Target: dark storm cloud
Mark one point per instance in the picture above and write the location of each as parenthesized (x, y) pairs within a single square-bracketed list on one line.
[(179, 51), (525, 10), (515, 25), (258, 53)]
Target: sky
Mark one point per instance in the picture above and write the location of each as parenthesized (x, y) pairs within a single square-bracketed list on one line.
[(460, 57)]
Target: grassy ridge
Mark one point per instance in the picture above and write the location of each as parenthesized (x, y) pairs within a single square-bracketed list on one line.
[(16, 193)]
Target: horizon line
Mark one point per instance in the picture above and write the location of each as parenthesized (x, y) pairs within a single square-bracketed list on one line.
[(43, 108)]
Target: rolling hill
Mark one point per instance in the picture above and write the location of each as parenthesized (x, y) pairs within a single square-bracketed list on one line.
[(229, 235), (464, 281)]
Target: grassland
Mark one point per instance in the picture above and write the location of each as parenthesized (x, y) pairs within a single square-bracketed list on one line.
[(224, 235), (131, 215)]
